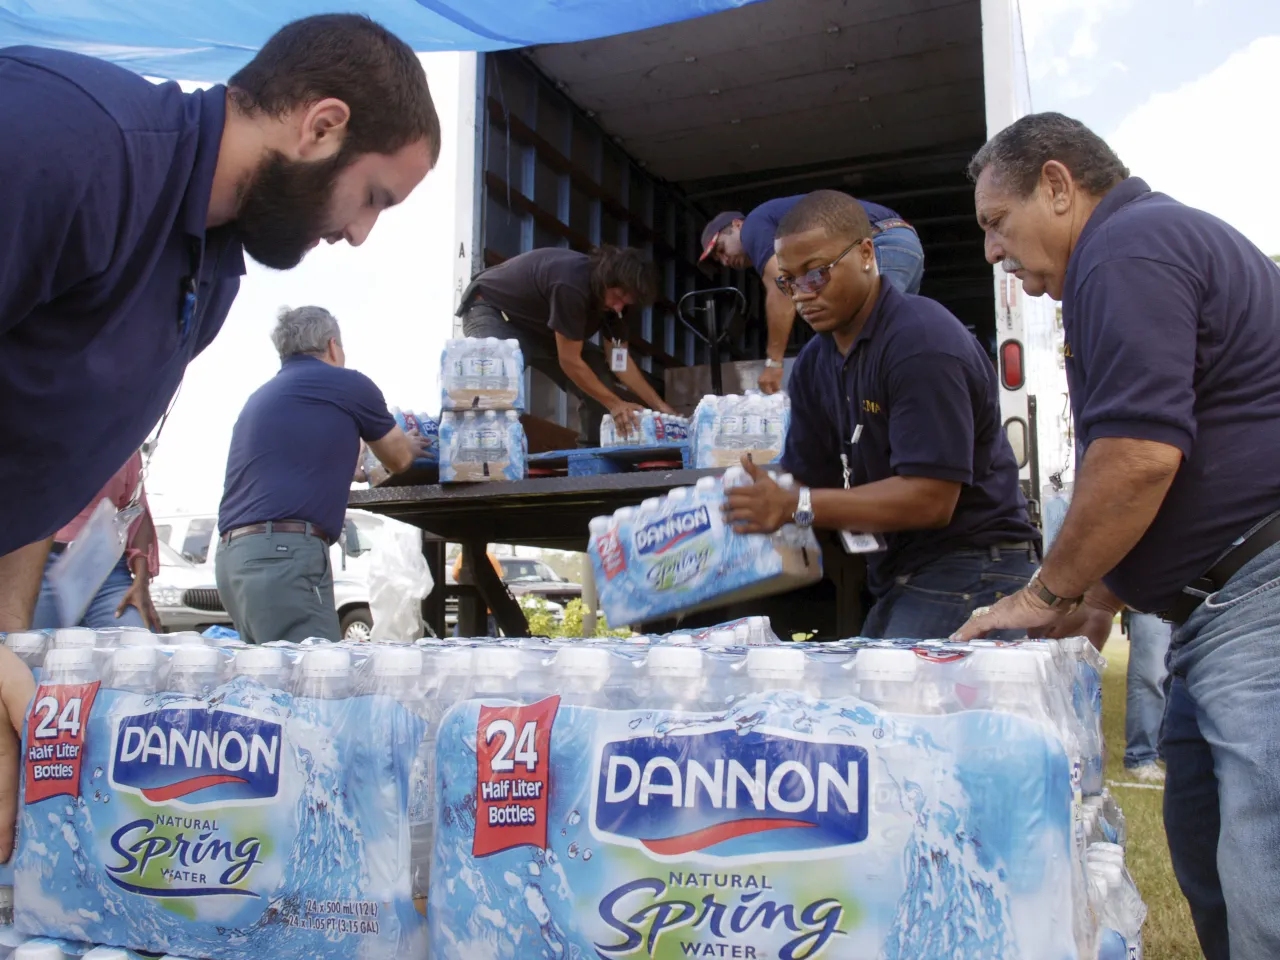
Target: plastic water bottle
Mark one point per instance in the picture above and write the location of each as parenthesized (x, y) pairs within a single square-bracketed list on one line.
[(495, 673), (886, 678), (1008, 680), (137, 637), (263, 665), (69, 638), (324, 674), (29, 646), (753, 418), (583, 674), (135, 669), (676, 679), (194, 670), (187, 637), (771, 669), (729, 436), (680, 639), (69, 665), (721, 638), (39, 950)]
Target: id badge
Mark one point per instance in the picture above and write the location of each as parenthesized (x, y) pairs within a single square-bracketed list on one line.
[(618, 359), (862, 542)]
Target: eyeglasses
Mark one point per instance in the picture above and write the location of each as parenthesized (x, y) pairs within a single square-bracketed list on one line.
[(814, 280)]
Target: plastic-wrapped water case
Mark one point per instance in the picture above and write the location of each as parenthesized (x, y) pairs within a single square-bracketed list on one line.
[(676, 554), (655, 429), (225, 803), (850, 801), (482, 373), (724, 428), (476, 447)]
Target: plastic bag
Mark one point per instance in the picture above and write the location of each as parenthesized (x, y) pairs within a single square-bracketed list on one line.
[(399, 580), (1053, 506), (82, 569)]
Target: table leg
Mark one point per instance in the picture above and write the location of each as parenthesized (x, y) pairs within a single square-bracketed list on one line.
[(433, 606), (493, 592)]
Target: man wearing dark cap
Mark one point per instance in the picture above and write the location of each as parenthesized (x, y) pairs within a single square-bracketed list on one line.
[(553, 301), (739, 242), (895, 431)]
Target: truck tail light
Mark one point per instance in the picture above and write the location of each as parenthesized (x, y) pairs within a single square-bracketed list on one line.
[(1015, 428), (1011, 372)]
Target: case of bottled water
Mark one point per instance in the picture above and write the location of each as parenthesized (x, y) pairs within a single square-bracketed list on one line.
[(655, 429), (724, 428), (861, 800), (426, 425), (230, 803), (482, 373), (676, 554), (479, 446)]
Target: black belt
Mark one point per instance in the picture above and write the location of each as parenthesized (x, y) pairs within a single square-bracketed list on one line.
[(1198, 590), (277, 526)]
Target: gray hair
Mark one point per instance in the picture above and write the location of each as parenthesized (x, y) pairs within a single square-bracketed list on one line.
[(304, 330), (1019, 152)]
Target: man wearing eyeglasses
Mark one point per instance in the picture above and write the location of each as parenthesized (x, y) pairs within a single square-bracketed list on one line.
[(895, 432), (739, 242)]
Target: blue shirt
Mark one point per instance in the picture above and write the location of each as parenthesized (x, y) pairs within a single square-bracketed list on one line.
[(1172, 321), (104, 196), (294, 447), (926, 397), (761, 225)]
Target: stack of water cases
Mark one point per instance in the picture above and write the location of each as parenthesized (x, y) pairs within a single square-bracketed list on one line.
[(482, 388), (656, 429), (724, 428), (675, 554), (856, 801), (225, 802)]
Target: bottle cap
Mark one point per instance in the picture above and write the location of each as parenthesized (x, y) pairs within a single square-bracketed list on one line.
[(397, 662), (599, 526), (67, 658), (135, 658), (134, 637), (680, 639), (190, 658), (318, 664), (673, 661), (774, 662), (256, 661), (186, 637), (25, 641), (69, 637), (495, 661), (39, 950), (721, 638), (885, 664), (1011, 664), (583, 662)]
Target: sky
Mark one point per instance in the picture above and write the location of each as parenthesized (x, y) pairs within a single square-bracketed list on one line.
[(1186, 91)]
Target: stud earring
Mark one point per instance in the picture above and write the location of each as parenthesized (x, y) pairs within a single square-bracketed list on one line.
[(866, 268)]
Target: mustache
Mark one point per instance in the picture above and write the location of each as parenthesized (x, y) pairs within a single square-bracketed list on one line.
[(1011, 264)]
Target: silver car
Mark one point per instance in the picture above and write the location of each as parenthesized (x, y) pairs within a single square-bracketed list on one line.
[(185, 595)]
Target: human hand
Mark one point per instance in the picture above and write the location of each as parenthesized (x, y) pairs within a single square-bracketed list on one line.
[(139, 596), (418, 443), (760, 506), (626, 417), (770, 380), (1018, 611), (17, 689)]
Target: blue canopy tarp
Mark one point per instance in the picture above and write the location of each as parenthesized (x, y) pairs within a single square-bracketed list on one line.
[(211, 39)]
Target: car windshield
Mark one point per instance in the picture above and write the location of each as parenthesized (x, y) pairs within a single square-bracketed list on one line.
[(170, 557), (516, 571)]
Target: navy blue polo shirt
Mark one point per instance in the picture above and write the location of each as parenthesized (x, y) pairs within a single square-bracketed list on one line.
[(926, 397), (761, 225), (103, 200), (294, 447), (1172, 323)]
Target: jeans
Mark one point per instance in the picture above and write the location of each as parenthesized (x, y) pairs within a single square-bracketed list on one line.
[(278, 586), (900, 258), (1149, 639), (936, 600), (101, 612), (485, 320), (1221, 745)]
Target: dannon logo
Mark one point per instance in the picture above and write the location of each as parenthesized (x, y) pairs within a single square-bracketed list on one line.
[(197, 756), (731, 794), (662, 535)]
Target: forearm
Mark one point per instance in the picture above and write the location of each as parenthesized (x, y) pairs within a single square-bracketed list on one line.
[(780, 314), (20, 575), (886, 506), (140, 569), (580, 372), (633, 379), (1118, 491)]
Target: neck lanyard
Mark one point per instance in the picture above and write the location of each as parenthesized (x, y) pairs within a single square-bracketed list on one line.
[(849, 436)]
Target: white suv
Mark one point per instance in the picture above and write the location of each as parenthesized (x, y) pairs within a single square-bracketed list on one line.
[(195, 536)]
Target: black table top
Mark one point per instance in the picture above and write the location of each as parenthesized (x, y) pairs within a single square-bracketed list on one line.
[(545, 512)]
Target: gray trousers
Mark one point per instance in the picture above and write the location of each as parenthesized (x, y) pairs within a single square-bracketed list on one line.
[(485, 320), (278, 586)]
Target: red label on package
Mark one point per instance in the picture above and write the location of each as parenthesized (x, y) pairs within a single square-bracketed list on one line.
[(55, 739), (612, 558), (513, 775)]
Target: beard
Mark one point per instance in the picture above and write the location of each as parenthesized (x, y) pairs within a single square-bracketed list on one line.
[(285, 208)]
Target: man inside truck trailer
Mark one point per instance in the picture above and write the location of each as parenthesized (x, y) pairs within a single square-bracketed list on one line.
[(739, 242), (1172, 322), (895, 430), (553, 301)]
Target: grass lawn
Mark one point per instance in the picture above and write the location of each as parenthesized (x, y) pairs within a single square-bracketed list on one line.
[(1167, 934)]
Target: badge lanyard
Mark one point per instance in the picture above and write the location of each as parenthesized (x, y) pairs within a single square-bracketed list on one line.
[(853, 541)]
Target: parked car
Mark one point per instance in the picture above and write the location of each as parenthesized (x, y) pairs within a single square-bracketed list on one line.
[(185, 596), (195, 538), (524, 577)]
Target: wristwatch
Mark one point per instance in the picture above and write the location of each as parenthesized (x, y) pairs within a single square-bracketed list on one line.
[(803, 517), (773, 364), (1037, 588)]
